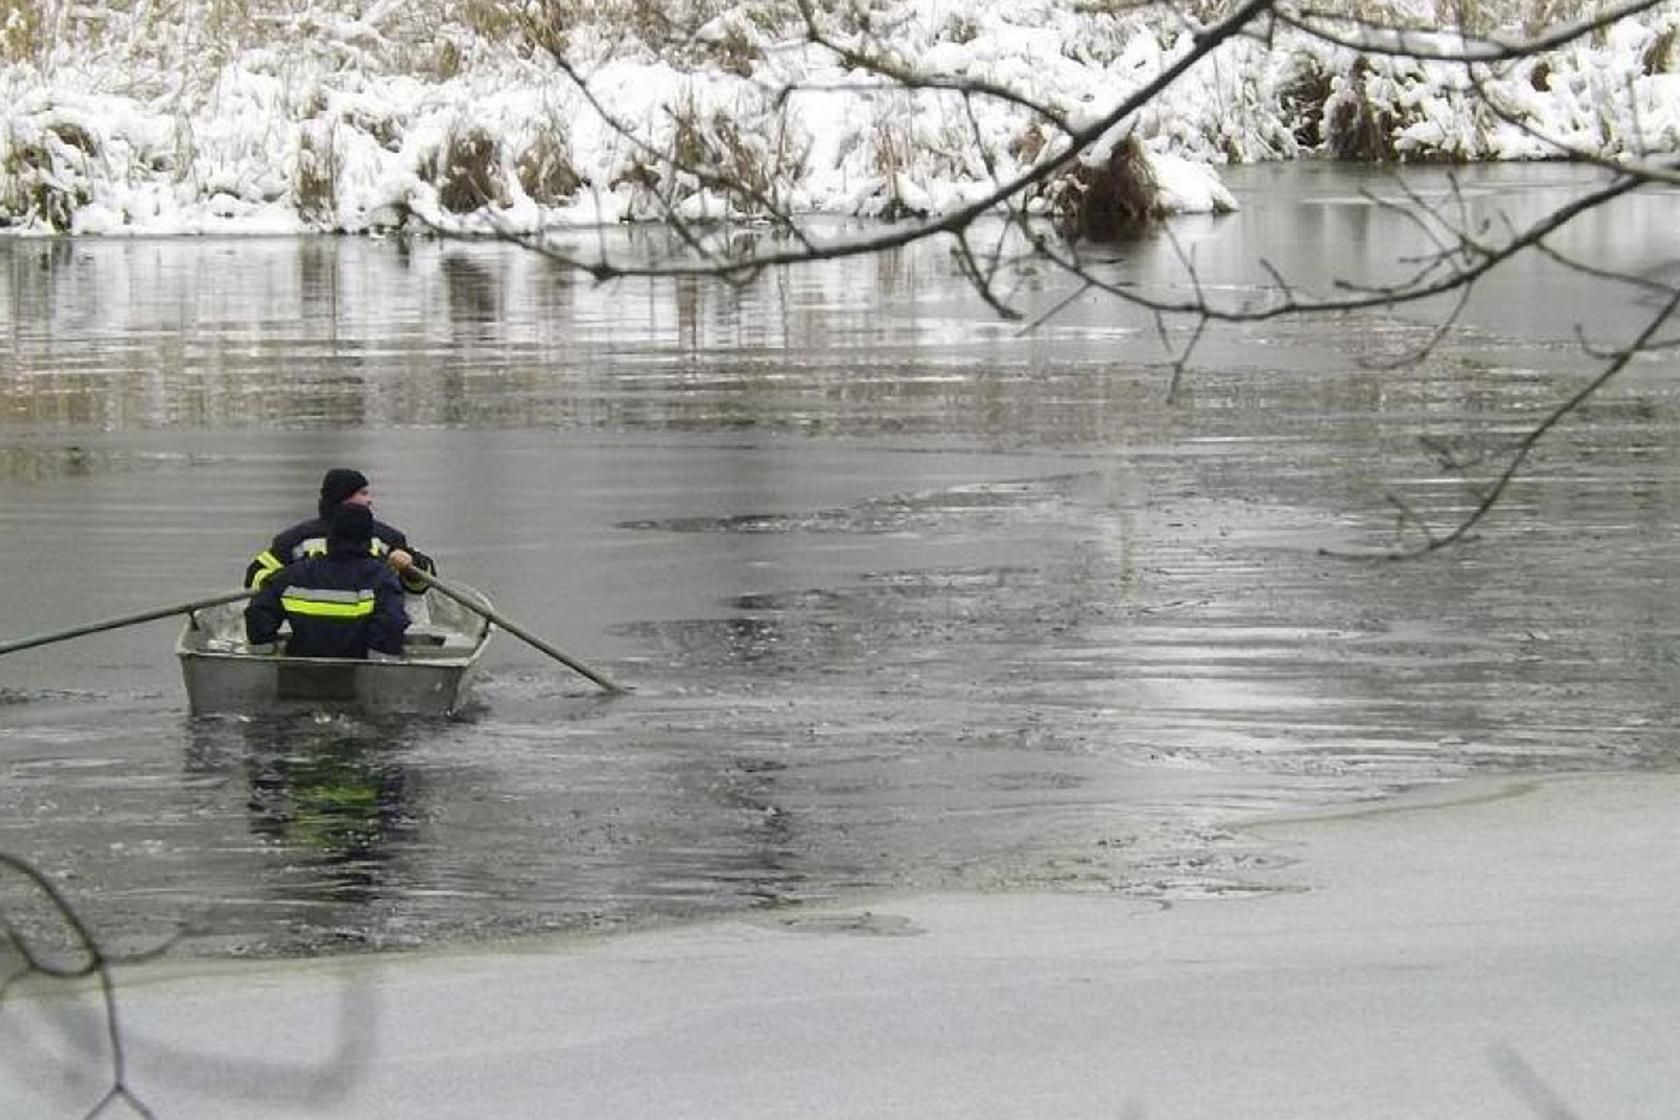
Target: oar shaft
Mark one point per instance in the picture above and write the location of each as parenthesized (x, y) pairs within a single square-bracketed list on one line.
[(125, 620), (515, 629)]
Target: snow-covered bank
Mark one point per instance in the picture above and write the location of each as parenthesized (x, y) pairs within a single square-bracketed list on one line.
[(350, 126), (1498, 950)]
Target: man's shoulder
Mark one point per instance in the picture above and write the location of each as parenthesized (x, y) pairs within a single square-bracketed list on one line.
[(311, 527), (300, 567), (339, 571), (386, 531), (364, 567)]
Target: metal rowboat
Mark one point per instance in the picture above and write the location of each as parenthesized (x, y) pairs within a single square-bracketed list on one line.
[(442, 649)]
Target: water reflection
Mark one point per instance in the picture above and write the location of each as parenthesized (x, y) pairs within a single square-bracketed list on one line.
[(342, 332), (338, 800), (474, 292), (333, 797)]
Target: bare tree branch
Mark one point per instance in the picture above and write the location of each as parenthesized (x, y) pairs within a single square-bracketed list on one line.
[(902, 76), (95, 963), (1513, 465)]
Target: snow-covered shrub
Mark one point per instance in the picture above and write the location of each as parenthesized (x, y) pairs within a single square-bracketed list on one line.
[(892, 154), (1106, 199), (20, 30), (762, 165), (205, 115), (46, 175), (719, 149), (467, 172), (545, 169), (315, 185), (1359, 115), (1303, 92), (1660, 57)]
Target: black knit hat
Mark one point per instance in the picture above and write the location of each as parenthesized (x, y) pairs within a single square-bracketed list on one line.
[(351, 523), (338, 484)]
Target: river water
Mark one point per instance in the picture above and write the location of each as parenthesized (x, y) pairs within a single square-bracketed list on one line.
[(909, 598)]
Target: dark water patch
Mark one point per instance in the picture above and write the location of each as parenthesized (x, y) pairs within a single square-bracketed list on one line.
[(834, 521), (49, 696), (934, 511), (807, 599), (19, 696)]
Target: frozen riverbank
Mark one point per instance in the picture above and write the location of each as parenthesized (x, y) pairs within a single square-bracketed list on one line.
[(1489, 949), (310, 120)]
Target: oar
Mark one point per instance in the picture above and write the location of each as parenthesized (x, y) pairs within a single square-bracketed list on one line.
[(125, 620), (477, 607)]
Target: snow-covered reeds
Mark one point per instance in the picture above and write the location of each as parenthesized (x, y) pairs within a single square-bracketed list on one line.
[(195, 115)]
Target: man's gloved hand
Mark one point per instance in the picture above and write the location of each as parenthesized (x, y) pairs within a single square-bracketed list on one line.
[(400, 560)]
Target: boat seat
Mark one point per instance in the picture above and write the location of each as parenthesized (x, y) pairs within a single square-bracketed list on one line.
[(425, 642)]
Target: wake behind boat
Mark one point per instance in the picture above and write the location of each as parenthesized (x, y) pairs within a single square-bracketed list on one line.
[(441, 655)]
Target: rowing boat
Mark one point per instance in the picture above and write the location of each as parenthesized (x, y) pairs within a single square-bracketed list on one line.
[(441, 653)]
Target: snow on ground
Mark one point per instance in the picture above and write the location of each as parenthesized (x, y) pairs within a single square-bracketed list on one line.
[(1493, 950), (332, 127)]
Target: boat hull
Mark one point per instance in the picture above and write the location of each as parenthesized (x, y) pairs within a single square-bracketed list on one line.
[(231, 683), (441, 656)]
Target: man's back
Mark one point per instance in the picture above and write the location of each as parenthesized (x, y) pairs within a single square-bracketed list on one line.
[(308, 539), (339, 605)]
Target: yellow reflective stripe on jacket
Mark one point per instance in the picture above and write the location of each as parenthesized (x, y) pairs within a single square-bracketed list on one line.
[(267, 565), (327, 602)]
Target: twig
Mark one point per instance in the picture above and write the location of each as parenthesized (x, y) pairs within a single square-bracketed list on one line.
[(97, 964), (1491, 496)]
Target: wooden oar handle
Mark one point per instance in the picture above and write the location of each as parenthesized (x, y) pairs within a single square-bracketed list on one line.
[(125, 620)]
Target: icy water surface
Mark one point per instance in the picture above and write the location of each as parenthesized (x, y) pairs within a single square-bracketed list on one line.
[(907, 598)]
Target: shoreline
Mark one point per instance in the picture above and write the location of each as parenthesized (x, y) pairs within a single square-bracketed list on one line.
[(1494, 948)]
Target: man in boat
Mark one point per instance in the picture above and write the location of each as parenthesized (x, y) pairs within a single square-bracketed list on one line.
[(343, 603), (340, 487)]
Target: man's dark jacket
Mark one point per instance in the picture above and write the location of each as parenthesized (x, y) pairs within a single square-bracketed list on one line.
[(309, 538), (340, 605)]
